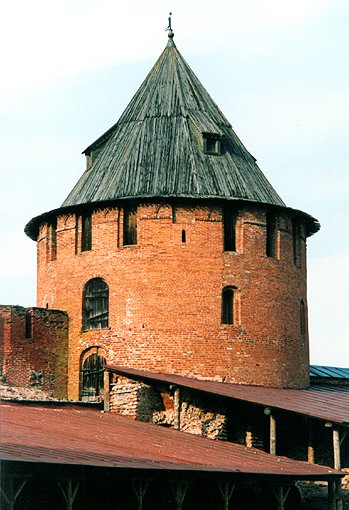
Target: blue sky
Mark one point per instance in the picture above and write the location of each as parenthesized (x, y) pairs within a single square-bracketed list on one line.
[(278, 70)]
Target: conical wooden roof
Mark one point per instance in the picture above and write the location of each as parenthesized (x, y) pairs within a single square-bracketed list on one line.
[(156, 148)]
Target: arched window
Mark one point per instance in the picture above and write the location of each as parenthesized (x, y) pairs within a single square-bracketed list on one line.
[(92, 369), (228, 305), (95, 304), (302, 320)]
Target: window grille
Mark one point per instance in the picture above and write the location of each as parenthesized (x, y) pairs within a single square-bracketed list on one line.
[(92, 377), (95, 304)]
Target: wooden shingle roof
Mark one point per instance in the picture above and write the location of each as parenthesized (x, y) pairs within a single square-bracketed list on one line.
[(156, 147), (156, 151)]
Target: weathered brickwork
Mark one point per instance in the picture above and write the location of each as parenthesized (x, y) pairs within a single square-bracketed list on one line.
[(165, 294), (34, 348), (150, 403)]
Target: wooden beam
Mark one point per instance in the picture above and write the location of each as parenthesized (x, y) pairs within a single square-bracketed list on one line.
[(177, 409), (106, 381), (10, 492), (179, 490), (140, 488), (69, 491), (226, 489), (331, 496), (336, 449), (311, 449), (272, 449), (281, 494)]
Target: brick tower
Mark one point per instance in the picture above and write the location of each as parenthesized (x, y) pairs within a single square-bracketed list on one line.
[(173, 253)]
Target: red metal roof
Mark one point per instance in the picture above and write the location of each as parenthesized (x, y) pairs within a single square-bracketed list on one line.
[(73, 435), (330, 403)]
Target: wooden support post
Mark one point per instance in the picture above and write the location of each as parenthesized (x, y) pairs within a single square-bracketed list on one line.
[(337, 465), (336, 449), (10, 491), (177, 409), (311, 449), (179, 490), (331, 496), (69, 491), (140, 488), (272, 435), (106, 381), (281, 494), (226, 489)]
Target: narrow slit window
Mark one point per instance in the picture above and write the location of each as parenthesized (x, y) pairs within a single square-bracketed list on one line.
[(53, 240), (229, 229), (228, 305), (184, 236), (95, 309), (302, 318), (130, 225), (28, 324), (271, 237), (295, 241), (86, 232)]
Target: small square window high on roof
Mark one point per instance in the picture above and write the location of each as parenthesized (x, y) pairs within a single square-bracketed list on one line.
[(211, 143)]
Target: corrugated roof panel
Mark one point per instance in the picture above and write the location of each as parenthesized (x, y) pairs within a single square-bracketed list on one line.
[(330, 403), (72, 435), (325, 371)]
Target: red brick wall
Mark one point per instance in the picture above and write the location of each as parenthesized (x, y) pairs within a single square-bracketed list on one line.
[(39, 360), (165, 295)]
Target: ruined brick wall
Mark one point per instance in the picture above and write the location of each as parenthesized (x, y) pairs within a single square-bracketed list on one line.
[(156, 405), (165, 294), (34, 348)]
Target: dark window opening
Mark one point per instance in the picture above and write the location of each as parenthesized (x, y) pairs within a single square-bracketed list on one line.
[(212, 144), (95, 309), (229, 229), (184, 236), (295, 241), (228, 305), (53, 235), (86, 232), (93, 378), (28, 324), (271, 235), (130, 225), (302, 318)]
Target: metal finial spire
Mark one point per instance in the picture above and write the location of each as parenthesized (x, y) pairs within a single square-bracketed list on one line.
[(169, 28)]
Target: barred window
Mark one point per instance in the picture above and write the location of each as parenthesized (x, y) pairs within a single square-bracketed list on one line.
[(92, 377), (95, 308)]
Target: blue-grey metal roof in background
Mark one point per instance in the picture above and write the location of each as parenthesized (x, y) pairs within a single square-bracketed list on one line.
[(329, 372), (156, 147)]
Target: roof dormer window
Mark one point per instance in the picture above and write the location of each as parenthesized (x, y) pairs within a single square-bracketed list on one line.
[(212, 144)]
